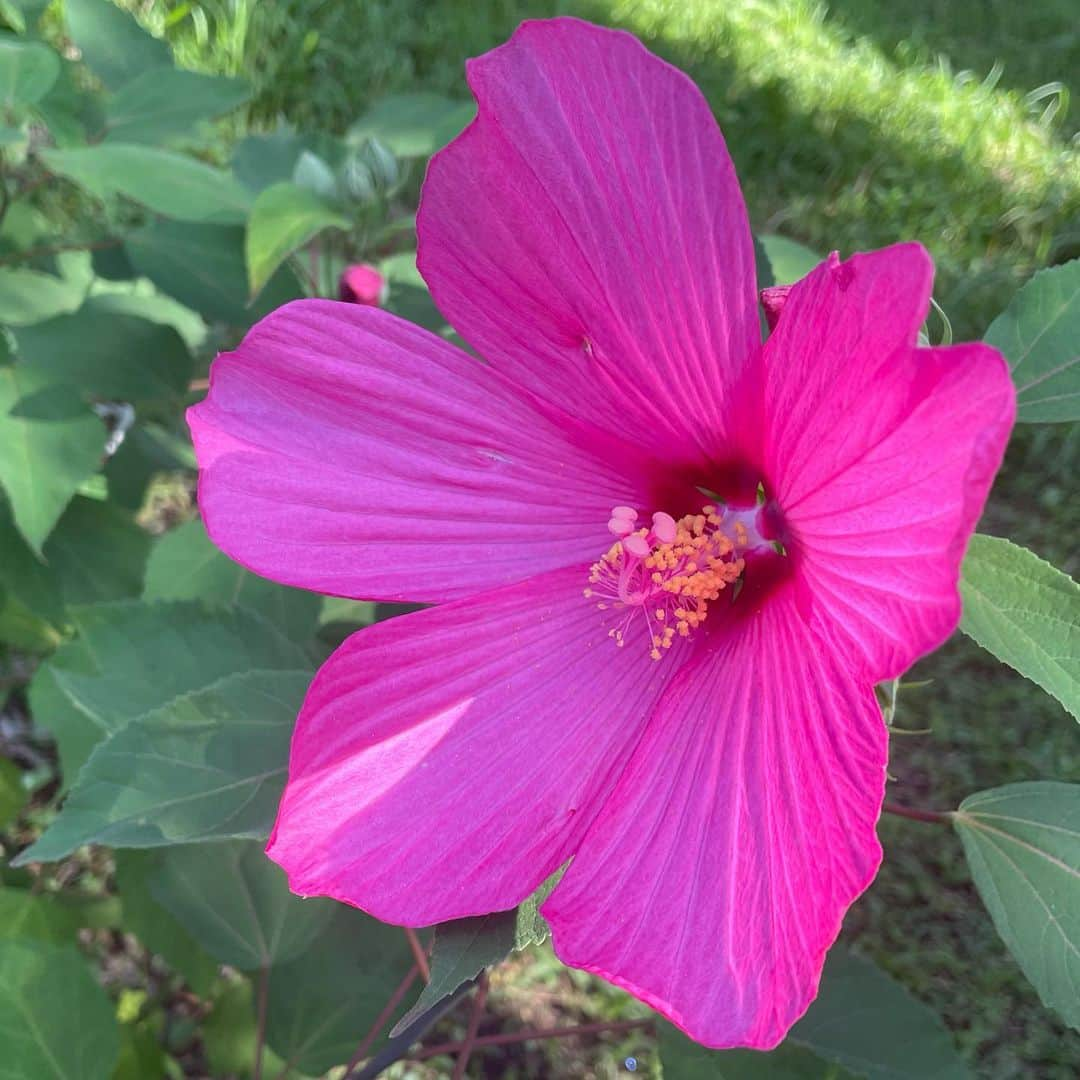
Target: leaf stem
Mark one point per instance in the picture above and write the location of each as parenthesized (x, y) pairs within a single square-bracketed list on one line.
[(419, 955), (533, 1033), (933, 817), (260, 1030), (479, 1000)]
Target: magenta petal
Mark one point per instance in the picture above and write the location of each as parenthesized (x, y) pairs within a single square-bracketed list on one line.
[(884, 454), (717, 875), (587, 235), (446, 762), (346, 451)]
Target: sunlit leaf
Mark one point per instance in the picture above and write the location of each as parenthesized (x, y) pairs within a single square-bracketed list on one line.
[(1023, 846), (1039, 333), (1026, 613)]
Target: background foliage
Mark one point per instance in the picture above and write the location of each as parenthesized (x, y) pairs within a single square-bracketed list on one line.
[(168, 178)]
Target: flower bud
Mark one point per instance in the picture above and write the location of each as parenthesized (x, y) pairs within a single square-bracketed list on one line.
[(362, 284)]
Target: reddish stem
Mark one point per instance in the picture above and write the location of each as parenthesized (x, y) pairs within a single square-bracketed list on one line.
[(419, 955), (934, 817), (479, 999), (380, 1020), (531, 1033)]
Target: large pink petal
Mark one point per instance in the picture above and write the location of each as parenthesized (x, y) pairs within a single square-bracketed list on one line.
[(718, 873), (881, 454), (587, 234), (446, 762), (346, 451)]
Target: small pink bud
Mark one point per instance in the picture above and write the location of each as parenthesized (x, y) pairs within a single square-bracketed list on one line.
[(362, 284)]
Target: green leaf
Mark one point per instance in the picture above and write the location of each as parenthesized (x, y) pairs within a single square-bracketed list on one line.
[(28, 70), (230, 1035), (464, 947), (236, 903), (1026, 613), (50, 442), (203, 266), (76, 734), (144, 655), (141, 1055), (684, 1059), (789, 260), (261, 160), (26, 916), (153, 306), (109, 355), (321, 1003), (158, 931), (112, 43), (165, 182), (185, 565), (1022, 843), (28, 296), (284, 218), (13, 795), (55, 1021), (33, 605), (413, 125), (1039, 334), (97, 552), (866, 1022), (207, 765), (165, 102)]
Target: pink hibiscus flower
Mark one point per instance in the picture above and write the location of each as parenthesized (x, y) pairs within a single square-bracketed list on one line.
[(634, 665)]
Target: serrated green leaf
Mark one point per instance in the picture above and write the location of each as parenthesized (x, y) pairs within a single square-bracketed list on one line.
[(684, 1059), (283, 218), (1022, 843), (320, 1003), (185, 565), (168, 183), (165, 102), (28, 70), (868, 1023), (55, 1021), (112, 43), (203, 266), (50, 442), (1039, 334), (207, 765), (98, 351), (158, 931), (236, 903), (1026, 613), (413, 125)]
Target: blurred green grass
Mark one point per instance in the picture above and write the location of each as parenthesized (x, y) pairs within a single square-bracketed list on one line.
[(852, 126)]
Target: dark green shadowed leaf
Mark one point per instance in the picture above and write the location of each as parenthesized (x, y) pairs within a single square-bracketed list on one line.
[(684, 1059), (1026, 613), (236, 903), (1023, 846), (284, 218), (185, 565), (155, 927), (207, 765), (1039, 333), (464, 947), (12, 793), (56, 1023), (112, 43), (322, 1002), (868, 1023), (204, 267)]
